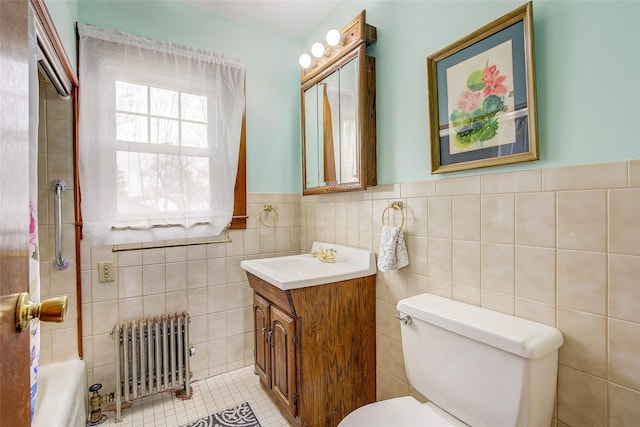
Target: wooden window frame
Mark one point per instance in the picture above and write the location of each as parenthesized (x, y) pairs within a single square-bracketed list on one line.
[(239, 220)]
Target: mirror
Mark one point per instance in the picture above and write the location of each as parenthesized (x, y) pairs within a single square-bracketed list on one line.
[(338, 122)]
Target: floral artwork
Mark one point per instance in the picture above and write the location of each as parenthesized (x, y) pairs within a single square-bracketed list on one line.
[(480, 99)]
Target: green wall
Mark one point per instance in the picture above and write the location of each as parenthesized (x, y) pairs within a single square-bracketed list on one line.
[(588, 75), (587, 65), (273, 117)]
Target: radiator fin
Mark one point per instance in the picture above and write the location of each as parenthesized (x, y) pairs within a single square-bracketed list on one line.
[(152, 355)]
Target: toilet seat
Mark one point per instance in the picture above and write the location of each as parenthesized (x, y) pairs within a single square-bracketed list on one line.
[(399, 412)]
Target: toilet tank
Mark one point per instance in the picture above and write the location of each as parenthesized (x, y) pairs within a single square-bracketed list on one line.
[(483, 367)]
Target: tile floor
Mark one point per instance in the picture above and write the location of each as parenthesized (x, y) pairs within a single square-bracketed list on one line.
[(211, 395)]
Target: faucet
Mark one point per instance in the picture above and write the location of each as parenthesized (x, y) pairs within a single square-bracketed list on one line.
[(325, 255), (95, 402)]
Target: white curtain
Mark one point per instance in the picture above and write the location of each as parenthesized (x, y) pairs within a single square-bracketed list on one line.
[(159, 136)]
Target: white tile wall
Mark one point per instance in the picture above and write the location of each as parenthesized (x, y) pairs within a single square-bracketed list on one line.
[(206, 281), (558, 246), (58, 342)]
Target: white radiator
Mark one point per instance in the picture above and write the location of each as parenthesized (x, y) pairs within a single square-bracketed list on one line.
[(152, 355)]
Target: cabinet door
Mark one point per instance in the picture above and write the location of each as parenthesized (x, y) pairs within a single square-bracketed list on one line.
[(283, 362), (261, 338)]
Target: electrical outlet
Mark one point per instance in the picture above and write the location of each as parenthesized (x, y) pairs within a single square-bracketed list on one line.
[(105, 271)]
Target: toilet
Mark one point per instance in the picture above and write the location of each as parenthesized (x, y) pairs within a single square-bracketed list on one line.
[(476, 366)]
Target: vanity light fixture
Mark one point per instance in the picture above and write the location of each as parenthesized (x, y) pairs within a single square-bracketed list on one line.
[(334, 38), (337, 44), (305, 60), (319, 50)]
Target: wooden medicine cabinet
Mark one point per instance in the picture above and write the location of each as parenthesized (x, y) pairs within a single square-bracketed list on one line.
[(338, 98)]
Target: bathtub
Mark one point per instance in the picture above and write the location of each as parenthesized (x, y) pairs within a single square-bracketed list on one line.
[(61, 400)]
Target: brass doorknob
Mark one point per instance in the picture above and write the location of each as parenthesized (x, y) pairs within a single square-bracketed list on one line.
[(49, 310)]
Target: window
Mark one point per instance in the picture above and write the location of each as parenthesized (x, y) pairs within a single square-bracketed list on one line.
[(161, 147), (161, 139)]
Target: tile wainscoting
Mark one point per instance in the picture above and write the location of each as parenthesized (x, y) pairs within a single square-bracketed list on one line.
[(58, 341), (206, 281), (558, 246)]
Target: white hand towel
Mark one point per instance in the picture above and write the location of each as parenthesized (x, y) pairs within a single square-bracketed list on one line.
[(393, 250), (401, 251)]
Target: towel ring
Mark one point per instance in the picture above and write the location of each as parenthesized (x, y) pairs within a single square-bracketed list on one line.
[(268, 208), (396, 206)]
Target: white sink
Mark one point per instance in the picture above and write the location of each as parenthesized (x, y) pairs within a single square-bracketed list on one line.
[(299, 271)]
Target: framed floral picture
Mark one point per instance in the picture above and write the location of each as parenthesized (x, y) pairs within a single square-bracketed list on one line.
[(482, 105)]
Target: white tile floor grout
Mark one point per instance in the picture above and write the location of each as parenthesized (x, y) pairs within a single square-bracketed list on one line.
[(209, 396)]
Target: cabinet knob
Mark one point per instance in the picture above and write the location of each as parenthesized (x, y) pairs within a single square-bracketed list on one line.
[(49, 310)]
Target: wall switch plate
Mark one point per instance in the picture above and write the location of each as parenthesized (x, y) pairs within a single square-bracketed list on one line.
[(105, 271)]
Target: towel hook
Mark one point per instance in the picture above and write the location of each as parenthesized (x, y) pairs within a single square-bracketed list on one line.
[(268, 208), (396, 206)]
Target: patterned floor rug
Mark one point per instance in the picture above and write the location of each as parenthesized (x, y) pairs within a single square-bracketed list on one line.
[(238, 416)]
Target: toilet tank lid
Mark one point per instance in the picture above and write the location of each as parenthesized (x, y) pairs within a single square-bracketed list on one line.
[(515, 335)]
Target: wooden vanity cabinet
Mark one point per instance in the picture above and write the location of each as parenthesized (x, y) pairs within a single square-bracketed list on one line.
[(261, 345), (275, 351), (315, 348)]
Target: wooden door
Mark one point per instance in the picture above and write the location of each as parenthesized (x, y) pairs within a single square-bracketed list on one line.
[(261, 326), (14, 210), (283, 361)]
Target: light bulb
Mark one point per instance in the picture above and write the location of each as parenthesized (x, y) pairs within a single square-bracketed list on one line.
[(334, 38), (304, 60), (317, 49)]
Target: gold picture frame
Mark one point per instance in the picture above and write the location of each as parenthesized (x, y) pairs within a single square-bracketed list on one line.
[(482, 97)]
